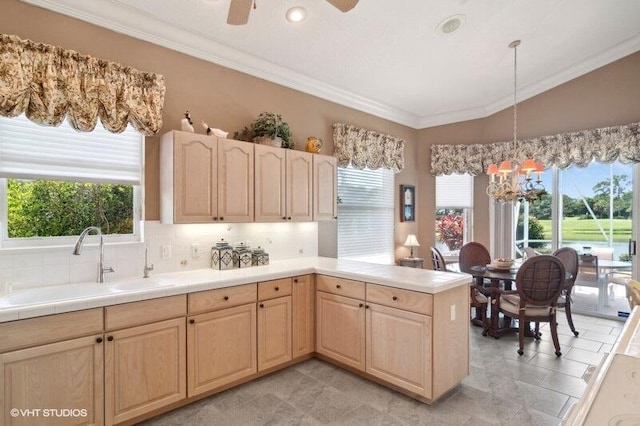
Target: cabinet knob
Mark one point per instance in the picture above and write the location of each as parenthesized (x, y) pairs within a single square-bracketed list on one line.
[(110, 338), (99, 340), (262, 305), (289, 218), (221, 218), (366, 307), (338, 286), (361, 305), (284, 218), (295, 280), (215, 219), (335, 217), (192, 321), (395, 297), (277, 288), (226, 298)]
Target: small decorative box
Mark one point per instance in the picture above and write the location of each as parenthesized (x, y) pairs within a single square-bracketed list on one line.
[(242, 256), (222, 256), (259, 257)]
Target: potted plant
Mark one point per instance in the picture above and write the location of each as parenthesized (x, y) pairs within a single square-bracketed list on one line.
[(267, 128)]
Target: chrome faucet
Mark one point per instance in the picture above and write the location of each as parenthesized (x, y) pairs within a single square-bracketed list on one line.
[(147, 268), (78, 247)]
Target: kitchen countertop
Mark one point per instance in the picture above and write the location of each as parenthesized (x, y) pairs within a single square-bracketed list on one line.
[(29, 303)]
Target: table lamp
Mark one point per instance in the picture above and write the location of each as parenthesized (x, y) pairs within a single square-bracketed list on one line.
[(412, 242)]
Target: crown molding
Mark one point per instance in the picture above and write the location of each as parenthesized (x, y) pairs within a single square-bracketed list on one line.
[(144, 27)]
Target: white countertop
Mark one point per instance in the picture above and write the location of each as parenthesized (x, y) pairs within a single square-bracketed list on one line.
[(49, 300)]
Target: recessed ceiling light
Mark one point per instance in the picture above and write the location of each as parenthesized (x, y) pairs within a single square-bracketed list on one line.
[(296, 14), (451, 24)]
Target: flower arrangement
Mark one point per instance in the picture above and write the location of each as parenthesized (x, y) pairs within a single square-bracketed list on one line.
[(267, 125)]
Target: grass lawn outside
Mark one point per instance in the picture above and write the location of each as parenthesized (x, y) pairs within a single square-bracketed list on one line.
[(580, 229)]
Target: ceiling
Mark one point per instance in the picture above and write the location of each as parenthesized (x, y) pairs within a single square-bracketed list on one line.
[(384, 57)]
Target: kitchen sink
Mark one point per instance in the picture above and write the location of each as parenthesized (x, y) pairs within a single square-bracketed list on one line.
[(52, 294), (140, 284)]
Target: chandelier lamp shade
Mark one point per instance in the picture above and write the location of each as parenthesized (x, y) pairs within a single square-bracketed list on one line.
[(509, 180)]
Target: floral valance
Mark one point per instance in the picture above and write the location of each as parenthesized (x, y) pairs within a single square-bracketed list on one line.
[(48, 83), (604, 145), (365, 148)]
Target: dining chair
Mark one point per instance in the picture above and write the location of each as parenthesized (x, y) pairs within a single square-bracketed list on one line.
[(539, 282), (569, 258), (473, 254), (437, 260)]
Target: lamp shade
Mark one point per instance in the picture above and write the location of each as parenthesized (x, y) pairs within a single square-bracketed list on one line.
[(411, 241)]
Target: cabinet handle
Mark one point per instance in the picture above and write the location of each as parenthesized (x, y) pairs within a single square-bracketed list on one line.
[(395, 297), (338, 286), (366, 307), (295, 280), (215, 219), (110, 338), (262, 305), (361, 305), (277, 288), (284, 218), (288, 218), (335, 217), (99, 340), (192, 321), (221, 218), (226, 298)]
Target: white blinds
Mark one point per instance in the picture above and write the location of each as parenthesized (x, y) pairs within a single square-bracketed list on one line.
[(30, 151), (454, 191), (365, 215)]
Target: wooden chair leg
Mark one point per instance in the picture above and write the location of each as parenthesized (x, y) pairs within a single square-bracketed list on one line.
[(554, 335), (567, 310), (536, 331), (521, 326)]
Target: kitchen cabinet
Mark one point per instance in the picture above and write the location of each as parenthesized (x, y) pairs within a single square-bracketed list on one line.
[(340, 320), (204, 179), (325, 187), (221, 347), (64, 375), (145, 357), (283, 184), (304, 302), (274, 323)]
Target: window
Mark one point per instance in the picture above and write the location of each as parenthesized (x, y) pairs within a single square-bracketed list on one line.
[(454, 202), (55, 181), (365, 215)]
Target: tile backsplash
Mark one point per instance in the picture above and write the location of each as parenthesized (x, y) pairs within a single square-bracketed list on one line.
[(185, 247)]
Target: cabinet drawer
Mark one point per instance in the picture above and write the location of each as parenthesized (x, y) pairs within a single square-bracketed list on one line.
[(51, 328), (145, 312), (221, 298), (406, 300), (341, 286), (272, 289)]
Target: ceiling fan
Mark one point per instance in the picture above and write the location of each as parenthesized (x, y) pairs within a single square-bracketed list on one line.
[(239, 9)]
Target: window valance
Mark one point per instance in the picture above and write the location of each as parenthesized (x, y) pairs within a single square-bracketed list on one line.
[(365, 148), (605, 145), (48, 83)]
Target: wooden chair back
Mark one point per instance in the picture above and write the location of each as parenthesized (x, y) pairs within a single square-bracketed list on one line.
[(569, 258), (473, 254), (540, 280), (437, 260), (587, 271)]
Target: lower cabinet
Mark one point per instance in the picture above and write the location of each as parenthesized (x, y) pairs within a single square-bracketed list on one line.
[(66, 375), (221, 347), (274, 332), (340, 329), (304, 315), (398, 348), (145, 369)]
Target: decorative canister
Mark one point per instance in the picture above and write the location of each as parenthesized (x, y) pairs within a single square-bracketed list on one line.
[(222, 255), (259, 257), (242, 256)]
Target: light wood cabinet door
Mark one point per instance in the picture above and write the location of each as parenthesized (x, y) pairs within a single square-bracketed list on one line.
[(221, 347), (145, 369), (235, 181), (270, 184), (325, 187), (299, 185), (304, 307), (399, 348), (195, 178), (274, 332), (340, 329), (64, 375)]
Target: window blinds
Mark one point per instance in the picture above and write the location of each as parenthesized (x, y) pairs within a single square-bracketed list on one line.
[(30, 151), (454, 191), (365, 215)]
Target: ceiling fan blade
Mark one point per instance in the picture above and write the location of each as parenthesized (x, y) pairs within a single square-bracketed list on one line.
[(239, 12), (344, 5)]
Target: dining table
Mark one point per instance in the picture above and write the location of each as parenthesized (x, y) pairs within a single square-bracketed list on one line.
[(605, 268)]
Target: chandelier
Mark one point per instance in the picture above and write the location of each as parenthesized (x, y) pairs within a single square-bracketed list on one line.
[(511, 181)]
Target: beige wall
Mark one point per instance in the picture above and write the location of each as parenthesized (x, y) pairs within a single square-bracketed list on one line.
[(605, 97), (229, 100)]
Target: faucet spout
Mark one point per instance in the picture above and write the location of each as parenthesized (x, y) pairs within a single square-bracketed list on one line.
[(77, 249)]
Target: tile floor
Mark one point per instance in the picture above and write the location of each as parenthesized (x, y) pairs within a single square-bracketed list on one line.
[(503, 388)]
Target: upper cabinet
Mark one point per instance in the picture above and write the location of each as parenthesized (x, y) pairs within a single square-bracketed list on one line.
[(283, 184), (325, 187), (204, 179)]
